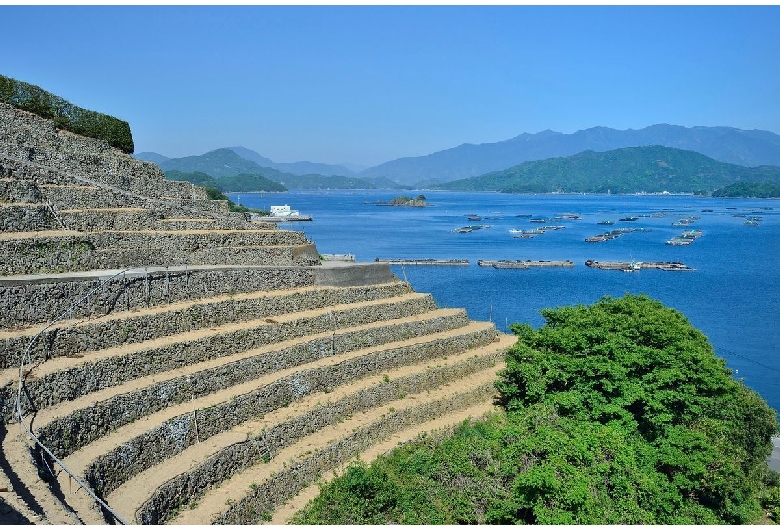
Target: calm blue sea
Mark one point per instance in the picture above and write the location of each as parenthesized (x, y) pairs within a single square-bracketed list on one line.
[(733, 296)]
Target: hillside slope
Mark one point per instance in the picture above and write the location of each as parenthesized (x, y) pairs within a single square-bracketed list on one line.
[(651, 169)]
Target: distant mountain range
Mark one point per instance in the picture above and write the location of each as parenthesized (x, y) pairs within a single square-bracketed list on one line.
[(227, 163), (149, 156), (294, 168), (651, 169), (725, 144)]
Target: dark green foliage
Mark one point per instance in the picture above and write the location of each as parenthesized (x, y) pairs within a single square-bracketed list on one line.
[(196, 177), (762, 190), (617, 413), (237, 183), (770, 497), (633, 365), (66, 115), (458, 480), (651, 169), (215, 195), (403, 200), (322, 182)]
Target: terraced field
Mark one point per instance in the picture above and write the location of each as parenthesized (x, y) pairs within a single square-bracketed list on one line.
[(187, 366)]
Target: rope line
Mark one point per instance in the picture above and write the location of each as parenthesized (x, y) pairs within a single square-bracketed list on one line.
[(735, 354), (28, 357)]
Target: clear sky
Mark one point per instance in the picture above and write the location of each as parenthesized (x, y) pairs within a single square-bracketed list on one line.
[(368, 84)]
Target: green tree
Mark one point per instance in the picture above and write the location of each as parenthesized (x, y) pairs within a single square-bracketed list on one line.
[(635, 365), (616, 413)]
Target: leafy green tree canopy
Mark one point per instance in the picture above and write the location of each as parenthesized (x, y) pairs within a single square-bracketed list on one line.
[(616, 413)]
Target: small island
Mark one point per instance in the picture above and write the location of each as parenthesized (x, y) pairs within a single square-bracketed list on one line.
[(403, 200)]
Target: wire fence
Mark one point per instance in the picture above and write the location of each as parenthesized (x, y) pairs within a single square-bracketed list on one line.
[(26, 360)]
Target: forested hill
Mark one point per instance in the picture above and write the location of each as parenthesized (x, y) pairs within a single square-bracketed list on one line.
[(651, 169), (242, 183), (220, 163)]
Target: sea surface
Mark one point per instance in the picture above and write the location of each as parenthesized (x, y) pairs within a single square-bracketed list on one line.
[(733, 296)]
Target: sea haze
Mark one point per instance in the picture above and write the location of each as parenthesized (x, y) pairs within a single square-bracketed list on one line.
[(733, 296)]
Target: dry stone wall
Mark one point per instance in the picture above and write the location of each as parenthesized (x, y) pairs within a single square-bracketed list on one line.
[(26, 302), (68, 340), (176, 434), (86, 251), (157, 219), (27, 137), (69, 433), (69, 384), (18, 191), (24, 218), (266, 445)]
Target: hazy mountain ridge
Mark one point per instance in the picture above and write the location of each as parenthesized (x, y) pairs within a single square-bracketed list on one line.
[(224, 164), (651, 169), (150, 156), (294, 168), (725, 144)]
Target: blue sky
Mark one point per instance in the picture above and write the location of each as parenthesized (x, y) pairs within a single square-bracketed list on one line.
[(368, 84)]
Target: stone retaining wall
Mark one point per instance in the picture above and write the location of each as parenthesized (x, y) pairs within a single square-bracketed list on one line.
[(170, 438), (27, 137), (157, 219), (18, 191), (193, 483), (69, 433), (24, 301), (64, 340), (80, 197), (88, 251), (190, 242), (27, 218), (66, 385)]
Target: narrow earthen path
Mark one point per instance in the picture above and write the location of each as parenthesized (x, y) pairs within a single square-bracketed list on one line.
[(4, 236)]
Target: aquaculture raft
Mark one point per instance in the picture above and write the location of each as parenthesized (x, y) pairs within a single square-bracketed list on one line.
[(523, 264)]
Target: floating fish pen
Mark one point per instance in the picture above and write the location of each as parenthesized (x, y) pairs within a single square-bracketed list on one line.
[(427, 261), (686, 238), (523, 264), (467, 229), (637, 265), (612, 234)]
